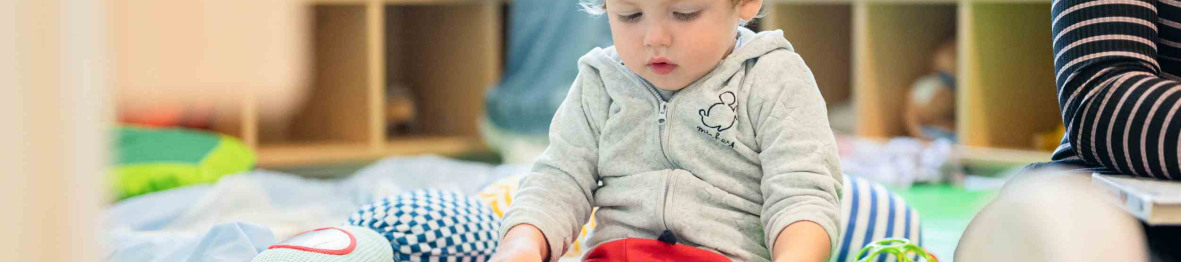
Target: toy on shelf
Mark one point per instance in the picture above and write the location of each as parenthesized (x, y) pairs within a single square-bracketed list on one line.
[(931, 106), (900, 248), (400, 110)]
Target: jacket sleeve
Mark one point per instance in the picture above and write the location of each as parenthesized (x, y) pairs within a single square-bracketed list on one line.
[(557, 195), (801, 170)]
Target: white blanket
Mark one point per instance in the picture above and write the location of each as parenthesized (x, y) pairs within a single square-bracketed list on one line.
[(241, 215)]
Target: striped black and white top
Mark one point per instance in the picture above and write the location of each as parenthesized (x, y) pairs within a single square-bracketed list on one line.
[(1116, 64)]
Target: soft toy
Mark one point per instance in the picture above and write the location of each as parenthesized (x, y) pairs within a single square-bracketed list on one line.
[(426, 225), (433, 225), (331, 244), (499, 194), (151, 159)]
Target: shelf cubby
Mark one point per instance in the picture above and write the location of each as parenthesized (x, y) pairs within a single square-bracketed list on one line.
[(336, 107), (447, 73), (822, 34), (447, 53), (1008, 91), (895, 46)]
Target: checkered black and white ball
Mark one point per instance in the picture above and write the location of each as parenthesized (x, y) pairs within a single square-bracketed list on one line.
[(433, 225)]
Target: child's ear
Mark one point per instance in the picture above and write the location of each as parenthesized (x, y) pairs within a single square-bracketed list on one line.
[(748, 9)]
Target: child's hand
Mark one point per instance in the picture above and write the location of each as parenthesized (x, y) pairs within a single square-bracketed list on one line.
[(522, 243)]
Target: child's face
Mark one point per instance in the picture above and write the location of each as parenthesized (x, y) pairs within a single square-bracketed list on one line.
[(672, 43)]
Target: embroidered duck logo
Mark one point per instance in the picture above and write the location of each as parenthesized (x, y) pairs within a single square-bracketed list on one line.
[(722, 115)]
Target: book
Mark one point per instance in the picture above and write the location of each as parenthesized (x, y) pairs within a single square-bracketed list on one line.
[(1156, 202)]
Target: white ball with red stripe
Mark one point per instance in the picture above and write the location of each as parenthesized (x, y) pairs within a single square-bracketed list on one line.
[(331, 244)]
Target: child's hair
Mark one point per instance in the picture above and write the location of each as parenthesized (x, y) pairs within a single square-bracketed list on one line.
[(597, 7)]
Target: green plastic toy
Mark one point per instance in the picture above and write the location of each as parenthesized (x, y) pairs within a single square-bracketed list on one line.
[(150, 159), (900, 248)]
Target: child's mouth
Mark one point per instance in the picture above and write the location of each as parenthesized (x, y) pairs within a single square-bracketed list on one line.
[(661, 66)]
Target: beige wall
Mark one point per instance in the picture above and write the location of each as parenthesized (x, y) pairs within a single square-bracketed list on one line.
[(51, 140)]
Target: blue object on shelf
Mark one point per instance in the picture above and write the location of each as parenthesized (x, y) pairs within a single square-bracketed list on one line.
[(545, 40)]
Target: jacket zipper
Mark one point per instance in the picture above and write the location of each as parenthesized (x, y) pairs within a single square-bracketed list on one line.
[(666, 132), (668, 182), (661, 119)]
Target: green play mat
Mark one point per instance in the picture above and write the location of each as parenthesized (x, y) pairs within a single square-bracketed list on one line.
[(946, 211)]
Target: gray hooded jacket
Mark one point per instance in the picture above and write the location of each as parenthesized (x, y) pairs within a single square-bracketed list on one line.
[(725, 164)]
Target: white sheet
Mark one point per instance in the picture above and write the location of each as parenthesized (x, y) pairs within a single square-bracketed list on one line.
[(223, 221)]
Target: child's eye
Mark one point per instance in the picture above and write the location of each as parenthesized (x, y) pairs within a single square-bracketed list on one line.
[(686, 16), (630, 18)]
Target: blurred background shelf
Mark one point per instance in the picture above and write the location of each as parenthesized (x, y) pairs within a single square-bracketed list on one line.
[(442, 54), (769, 2), (866, 55), (896, 46), (1008, 91), (398, 2), (822, 34), (371, 56)]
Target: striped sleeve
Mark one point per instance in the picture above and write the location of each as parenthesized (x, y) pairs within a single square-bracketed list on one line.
[(1120, 114)]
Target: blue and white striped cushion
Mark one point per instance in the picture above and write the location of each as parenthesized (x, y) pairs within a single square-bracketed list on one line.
[(433, 225), (876, 214)]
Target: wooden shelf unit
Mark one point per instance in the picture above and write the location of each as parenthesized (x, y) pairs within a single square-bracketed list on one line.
[(447, 52), (872, 51)]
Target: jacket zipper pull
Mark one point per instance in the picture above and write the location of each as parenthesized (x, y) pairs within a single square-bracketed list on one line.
[(662, 114), (668, 237)]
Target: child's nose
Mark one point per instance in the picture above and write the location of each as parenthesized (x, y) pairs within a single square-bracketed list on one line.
[(657, 36)]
